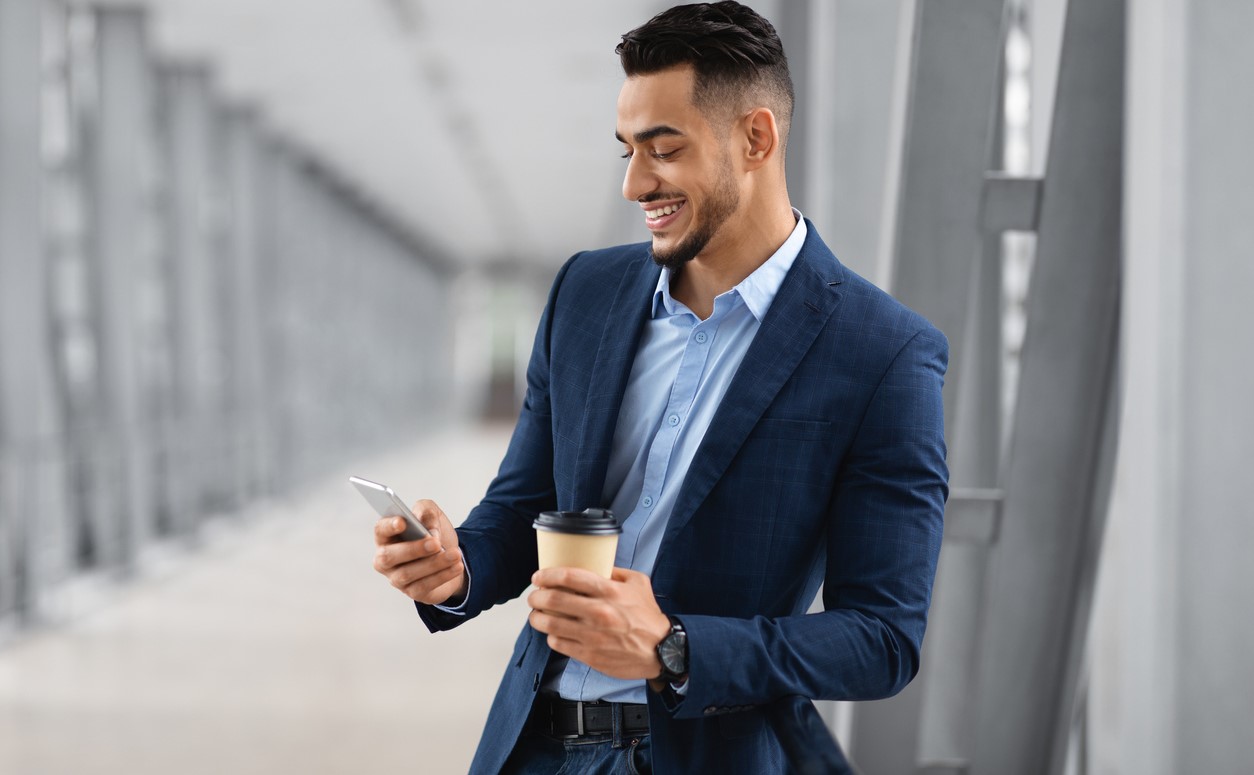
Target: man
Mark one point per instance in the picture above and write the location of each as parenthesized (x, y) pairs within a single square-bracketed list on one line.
[(760, 418)]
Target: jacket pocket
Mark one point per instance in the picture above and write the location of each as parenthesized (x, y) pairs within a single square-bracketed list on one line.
[(799, 430)]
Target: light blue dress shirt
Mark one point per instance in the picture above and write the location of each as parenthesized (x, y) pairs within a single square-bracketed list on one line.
[(683, 367)]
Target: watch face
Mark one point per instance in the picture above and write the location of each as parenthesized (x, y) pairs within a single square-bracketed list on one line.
[(671, 653)]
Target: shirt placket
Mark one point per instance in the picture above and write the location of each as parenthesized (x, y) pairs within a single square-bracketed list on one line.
[(679, 403)]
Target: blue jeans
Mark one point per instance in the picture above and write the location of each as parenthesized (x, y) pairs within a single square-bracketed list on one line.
[(607, 754)]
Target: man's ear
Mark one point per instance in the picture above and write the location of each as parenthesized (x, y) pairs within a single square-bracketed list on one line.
[(762, 137)]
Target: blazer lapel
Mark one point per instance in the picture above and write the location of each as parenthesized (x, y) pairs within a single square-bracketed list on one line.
[(802, 306), (624, 323)]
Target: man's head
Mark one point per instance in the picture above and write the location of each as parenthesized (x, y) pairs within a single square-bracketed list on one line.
[(704, 118), (735, 54)]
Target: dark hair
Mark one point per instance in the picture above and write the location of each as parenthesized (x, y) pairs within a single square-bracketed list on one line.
[(733, 52)]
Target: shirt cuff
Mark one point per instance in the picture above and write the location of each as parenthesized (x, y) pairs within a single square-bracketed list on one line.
[(460, 608)]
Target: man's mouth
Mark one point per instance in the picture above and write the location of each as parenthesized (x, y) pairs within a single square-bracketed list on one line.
[(659, 217)]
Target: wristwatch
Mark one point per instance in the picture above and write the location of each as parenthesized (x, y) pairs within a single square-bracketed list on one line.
[(672, 652)]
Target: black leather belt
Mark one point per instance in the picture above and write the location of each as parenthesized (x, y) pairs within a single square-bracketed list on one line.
[(555, 717)]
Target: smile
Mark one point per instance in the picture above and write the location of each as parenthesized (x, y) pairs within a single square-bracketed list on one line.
[(667, 210), (659, 218)]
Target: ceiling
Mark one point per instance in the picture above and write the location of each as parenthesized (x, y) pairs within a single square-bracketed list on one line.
[(485, 126)]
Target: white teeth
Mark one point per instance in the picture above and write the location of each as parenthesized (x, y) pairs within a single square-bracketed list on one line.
[(667, 210)]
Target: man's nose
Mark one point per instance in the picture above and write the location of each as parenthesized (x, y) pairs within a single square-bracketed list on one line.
[(638, 180)]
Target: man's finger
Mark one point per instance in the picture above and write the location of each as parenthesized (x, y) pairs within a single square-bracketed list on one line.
[(561, 602), (578, 580), (627, 575), (403, 575), (564, 646), (426, 585), (559, 626), (392, 555), (427, 513), (387, 528)]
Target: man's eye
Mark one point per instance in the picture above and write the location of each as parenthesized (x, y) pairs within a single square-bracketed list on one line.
[(659, 155)]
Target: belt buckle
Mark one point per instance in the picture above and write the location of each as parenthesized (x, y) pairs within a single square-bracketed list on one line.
[(579, 730)]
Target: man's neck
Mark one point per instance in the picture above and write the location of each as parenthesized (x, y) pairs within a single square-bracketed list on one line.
[(732, 257)]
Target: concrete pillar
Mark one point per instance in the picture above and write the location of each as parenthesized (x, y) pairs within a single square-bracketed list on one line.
[(270, 394), (1057, 474), (1217, 383), (853, 59), (245, 391), (123, 265), (307, 300), (320, 307), (197, 364), (937, 145), (31, 454), (288, 249), (1172, 674)]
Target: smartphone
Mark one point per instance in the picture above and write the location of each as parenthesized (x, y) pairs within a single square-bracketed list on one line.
[(388, 505)]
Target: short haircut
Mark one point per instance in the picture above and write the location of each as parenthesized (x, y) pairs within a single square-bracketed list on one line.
[(736, 56)]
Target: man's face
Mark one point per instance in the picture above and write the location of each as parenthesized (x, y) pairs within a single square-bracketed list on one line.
[(679, 169)]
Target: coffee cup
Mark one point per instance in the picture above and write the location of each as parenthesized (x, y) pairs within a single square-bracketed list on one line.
[(578, 539)]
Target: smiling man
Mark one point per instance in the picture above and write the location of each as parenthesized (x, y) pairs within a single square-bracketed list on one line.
[(762, 420)]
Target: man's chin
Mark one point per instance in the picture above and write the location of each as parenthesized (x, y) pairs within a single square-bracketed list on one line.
[(661, 246), (671, 259)]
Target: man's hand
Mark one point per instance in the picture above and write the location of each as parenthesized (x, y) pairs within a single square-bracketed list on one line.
[(430, 571), (612, 625)]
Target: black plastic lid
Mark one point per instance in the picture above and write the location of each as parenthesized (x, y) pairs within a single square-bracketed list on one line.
[(586, 522)]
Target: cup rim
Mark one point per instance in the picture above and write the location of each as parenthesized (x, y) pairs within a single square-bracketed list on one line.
[(603, 522)]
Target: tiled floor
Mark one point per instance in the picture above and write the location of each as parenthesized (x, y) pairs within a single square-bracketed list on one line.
[(273, 649)]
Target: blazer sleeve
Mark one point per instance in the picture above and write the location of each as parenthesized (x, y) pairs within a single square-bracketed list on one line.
[(497, 539), (883, 540)]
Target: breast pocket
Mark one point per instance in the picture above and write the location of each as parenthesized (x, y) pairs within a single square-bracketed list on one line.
[(798, 430), (792, 449)]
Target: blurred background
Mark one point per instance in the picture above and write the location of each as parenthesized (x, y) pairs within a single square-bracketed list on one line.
[(250, 248)]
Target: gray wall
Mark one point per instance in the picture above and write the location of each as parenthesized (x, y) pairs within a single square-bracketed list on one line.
[(1172, 683)]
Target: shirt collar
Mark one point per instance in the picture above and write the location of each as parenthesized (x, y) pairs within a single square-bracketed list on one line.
[(758, 289)]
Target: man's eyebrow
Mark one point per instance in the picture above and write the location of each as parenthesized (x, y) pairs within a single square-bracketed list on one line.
[(646, 135)]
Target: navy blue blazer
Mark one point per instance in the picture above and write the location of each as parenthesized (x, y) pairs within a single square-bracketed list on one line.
[(824, 464)]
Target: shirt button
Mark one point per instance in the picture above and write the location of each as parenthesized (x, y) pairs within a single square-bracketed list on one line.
[(673, 420), (701, 337), (647, 502)]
